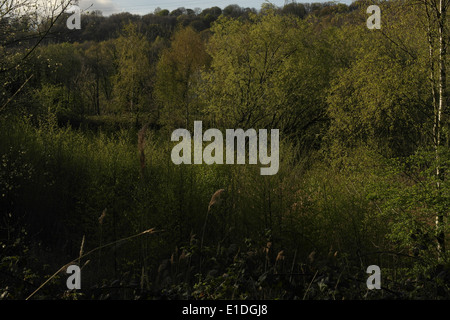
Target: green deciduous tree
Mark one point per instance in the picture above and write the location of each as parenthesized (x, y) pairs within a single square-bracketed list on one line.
[(437, 34), (178, 72), (270, 71), (132, 82), (247, 60), (381, 98)]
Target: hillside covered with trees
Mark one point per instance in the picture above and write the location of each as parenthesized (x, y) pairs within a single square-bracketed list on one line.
[(86, 176)]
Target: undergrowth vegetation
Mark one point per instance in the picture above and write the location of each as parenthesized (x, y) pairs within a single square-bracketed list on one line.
[(300, 234)]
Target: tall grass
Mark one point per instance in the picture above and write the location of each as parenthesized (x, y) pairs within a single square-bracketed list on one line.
[(58, 181)]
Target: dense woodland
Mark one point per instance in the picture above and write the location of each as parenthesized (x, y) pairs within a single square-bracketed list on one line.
[(86, 176)]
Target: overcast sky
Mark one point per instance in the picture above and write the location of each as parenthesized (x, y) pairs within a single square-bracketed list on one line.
[(148, 6)]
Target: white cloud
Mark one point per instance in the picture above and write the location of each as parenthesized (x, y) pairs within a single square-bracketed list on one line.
[(107, 7)]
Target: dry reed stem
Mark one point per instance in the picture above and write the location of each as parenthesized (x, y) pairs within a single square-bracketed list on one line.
[(141, 145), (81, 250), (102, 217), (216, 198), (151, 231), (309, 286)]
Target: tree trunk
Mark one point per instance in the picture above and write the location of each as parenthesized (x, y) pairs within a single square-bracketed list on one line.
[(442, 87)]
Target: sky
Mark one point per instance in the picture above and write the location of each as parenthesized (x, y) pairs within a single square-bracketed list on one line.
[(142, 7)]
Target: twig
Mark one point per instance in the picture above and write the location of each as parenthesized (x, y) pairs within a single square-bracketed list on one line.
[(18, 90), (52, 23), (292, 268), (87, 253), (309, 286)]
